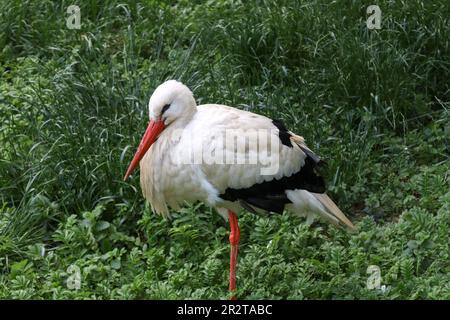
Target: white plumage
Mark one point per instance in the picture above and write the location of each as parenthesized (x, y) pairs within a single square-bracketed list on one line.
[(168, 182), (229, 159)]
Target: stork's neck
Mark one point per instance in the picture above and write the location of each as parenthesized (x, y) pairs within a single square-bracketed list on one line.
[(183, 121)]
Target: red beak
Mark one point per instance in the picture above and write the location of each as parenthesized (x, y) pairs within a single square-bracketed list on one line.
[(153, 130)]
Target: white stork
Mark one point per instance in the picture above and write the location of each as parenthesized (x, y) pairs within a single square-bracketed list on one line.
[(175, 167)]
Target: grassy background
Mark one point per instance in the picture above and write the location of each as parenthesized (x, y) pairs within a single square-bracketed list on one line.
[(374, 104)]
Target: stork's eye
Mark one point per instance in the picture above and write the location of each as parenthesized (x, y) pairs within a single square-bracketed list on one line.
[(164, 109)]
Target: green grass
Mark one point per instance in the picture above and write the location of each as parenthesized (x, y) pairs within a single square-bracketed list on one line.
[(374, 104)]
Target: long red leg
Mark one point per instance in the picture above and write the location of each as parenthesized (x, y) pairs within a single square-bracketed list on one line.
[(235, 235)]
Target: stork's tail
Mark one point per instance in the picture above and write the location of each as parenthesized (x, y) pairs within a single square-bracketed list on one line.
[(333, 209)]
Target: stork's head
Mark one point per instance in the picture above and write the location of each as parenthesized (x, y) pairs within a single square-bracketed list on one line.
[(172, 102)]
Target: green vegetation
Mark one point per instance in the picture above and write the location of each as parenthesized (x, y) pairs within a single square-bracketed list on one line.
[(373, 103)]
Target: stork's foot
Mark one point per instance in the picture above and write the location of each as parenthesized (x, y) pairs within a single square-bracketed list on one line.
[(235, 235)]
